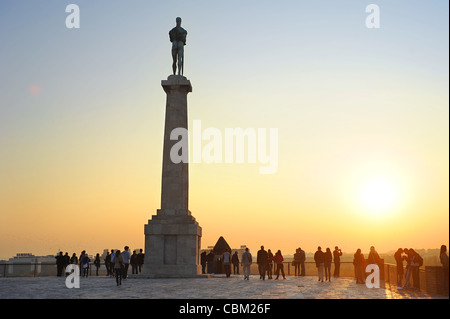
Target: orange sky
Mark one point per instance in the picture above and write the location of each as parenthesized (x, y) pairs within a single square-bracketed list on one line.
[(81, 124)]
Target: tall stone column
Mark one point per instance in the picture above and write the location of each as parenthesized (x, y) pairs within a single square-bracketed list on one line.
[(172, 236)]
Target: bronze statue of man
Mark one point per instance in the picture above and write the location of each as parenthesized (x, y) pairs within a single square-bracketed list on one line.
[(178, 38)]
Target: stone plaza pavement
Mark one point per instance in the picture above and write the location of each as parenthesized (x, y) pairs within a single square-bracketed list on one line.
[(216, 287)]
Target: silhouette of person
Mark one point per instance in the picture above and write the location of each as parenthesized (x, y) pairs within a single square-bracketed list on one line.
[(296, 262), (319, 258), (134, 262), (443, 257), (111, 270), (59, 264), (337, 253), (210, 262), (269, 264), (416, 262), (140, 260), (108, 263), (66, 261), (74, 259), (358, 262), (302, 261), (408, 259), (97, 263), (279, 262), (84, 262), (246, 263), (399, 269), (328, 257), (126, 261), (118, 266), (373, 257), (235, 262), (261, 260), (227, 262), (203, 262)]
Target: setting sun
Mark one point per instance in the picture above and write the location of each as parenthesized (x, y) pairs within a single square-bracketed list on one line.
[(378, 196)]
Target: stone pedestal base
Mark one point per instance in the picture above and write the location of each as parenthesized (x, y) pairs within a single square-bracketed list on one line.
[(172, 245)]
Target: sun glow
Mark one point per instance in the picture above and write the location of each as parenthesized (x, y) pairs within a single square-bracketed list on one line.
[(378, 196)]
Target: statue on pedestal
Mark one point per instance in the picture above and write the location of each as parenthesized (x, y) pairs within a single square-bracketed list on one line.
[(178, 38)]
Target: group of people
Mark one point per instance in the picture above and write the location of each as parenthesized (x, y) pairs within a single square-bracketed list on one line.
[(266, 261), (360, 263), (413, 262), (116, 263), (323, 262)]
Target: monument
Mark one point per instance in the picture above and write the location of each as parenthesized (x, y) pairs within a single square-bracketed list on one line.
[(172, 236)]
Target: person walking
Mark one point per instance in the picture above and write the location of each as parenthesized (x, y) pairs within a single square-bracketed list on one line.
[(118, 266), (337, 253), (97, 263), (246, 263), (279, 262), (261, 260), (358, 264), (113, 254), (126, 261), (443, 257), (328, 258), (399, 270), (235, 262), (319, 258), (296, 262), (108, 263), (270, 268), (227, 262), (134, 262)]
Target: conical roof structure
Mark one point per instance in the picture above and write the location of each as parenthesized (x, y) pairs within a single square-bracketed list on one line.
[(220, 246)]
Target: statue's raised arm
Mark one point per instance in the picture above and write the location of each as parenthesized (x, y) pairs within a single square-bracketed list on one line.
[(178, 38)]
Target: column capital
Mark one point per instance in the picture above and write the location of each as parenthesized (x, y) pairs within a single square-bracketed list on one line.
[(176, 82)]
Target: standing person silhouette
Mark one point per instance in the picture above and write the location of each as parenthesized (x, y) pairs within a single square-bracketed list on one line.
[(337, 253), (262, 261), (279, 262), (359, 263), (269, 264), (444, 261), (235, 262), (296, 262), (399, 261), (118, 266), (328, 257), (178, 38), (246, 261), (302, 261), (227, 262), (319, 258), (97, 263)]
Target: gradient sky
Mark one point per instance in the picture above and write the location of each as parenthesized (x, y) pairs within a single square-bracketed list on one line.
[(82, 115)]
